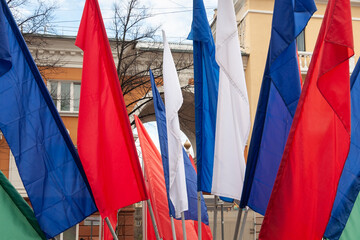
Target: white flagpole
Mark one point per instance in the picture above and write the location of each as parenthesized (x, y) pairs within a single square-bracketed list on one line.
[(187, 146), (144, 220), (222, 220), (100, 226), (237, 226), (173, 228), (111, 228), (199, 215), (183, 225), (215, 218), (243, 223), (153, 220)]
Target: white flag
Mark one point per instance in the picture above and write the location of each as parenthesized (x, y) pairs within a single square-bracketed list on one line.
[(173, 102), (233, 112)]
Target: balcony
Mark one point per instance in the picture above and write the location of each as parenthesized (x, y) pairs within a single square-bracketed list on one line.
[(305, 58)]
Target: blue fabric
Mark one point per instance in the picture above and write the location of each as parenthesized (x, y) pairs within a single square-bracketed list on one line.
[(349, 184), (206, 79), (45, 156), (189, 169), (279, 95)]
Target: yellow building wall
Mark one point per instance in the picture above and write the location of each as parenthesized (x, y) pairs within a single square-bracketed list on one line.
[(261, 5), (258, 20), (257, 47), (67, 74), (4, 157)]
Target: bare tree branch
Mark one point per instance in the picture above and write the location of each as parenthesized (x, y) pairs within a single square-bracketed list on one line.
[(133, 63)]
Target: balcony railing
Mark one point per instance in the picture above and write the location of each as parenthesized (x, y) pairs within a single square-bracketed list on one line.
[(305, 58)]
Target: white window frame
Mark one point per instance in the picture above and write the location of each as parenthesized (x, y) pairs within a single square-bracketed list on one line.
[(58, 93)]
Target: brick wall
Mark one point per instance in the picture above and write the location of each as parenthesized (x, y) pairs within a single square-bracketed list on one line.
[(124, 229)]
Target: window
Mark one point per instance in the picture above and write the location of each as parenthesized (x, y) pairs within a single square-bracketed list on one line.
[(65, 94), (300, 41)]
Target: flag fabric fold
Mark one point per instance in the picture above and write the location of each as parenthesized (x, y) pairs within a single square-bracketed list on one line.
[(105, 142), (190, 173), (349, 185), (233, 111), (319, 139), (206, 83), (45, 156), (154, 177), (174, 101), (279, 95), (17, 218)]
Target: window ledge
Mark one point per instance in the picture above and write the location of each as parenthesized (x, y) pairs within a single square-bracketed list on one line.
[(69, 114)]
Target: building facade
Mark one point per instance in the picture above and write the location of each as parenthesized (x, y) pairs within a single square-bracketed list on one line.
[(63, 79)]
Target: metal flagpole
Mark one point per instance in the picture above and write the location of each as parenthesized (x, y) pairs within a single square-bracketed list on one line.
[(243, 223), (173, 228), (199, 215), (144, 220), (222, 221), (111, 228), (153, 220), (237, 226), (100, 223), (187, 146), (183, 225), (215, 218)]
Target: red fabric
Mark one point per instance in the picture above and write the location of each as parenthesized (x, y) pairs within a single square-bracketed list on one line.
[(113, 220), (205, 231), (192, 162), (105, 142), (155, 182), (318, 143)]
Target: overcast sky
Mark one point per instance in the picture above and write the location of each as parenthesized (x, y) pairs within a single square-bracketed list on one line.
[(174, 16)]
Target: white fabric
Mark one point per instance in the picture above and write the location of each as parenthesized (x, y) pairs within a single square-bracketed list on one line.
[(233, 112), (173, 102)]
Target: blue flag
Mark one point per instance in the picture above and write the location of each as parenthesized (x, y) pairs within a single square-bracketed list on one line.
[(206, 79), (45, 156), (349, 184), (279, 95), (190, 173)]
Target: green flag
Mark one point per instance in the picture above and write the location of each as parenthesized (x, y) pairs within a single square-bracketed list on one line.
[(351, 230), (17, 219)]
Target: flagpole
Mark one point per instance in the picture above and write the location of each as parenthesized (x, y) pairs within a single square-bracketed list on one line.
[(100, 226), (222, 220), (144, 220), (183, 225), (153, 220), (187, 146), (111, 228), (237, 226), (173, 228), (243, 223), (199, 215), (215, 218)]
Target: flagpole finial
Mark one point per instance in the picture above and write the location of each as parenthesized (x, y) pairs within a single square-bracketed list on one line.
[(187, 145)]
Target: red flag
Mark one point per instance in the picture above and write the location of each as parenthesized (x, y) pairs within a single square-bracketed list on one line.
[(105, 142), (319, 139), (156, 186)]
